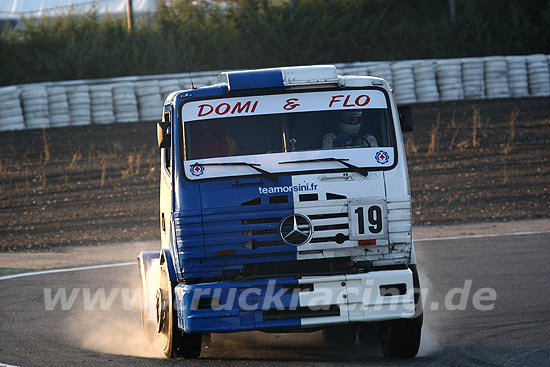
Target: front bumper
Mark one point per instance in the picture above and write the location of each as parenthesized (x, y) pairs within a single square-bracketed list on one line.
[(281, 303)]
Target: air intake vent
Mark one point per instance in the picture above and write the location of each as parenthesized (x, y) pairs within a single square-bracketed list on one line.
[(309, 197), (278, 199), (331, 196), (301, 312), (261, 220), (257, 201)]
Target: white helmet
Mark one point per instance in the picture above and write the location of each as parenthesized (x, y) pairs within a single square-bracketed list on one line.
[(350, 122)]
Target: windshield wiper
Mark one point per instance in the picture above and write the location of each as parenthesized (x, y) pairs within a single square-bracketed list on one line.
[(362, 171), (254, 166)]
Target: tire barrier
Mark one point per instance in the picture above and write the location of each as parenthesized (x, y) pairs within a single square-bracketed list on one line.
[(354, 68), (539, 80), (139, 98), (496, 77), (425, 81), (381, 70), (102, 104), (58, 106), (517, 76), (167, 86), (472, 78), (449, 80), (403, 82), (125, 103), (149, 101), (79, 104), (34, 98), (11, 113)]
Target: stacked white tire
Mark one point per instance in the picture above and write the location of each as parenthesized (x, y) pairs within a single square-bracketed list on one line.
[(58, 106), (425, 82), (403, 82), (381, 70), (449, 79), (168, 86), (353, 68), (517, 76), (102, 104), (539, 77), (496, 77), (11, 114), (140, 98), (473, 80), (79, 105), (35, 106), (185, 83), (149, 100), (125, 102)]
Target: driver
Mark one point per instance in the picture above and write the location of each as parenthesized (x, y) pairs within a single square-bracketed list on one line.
[(350, 132)]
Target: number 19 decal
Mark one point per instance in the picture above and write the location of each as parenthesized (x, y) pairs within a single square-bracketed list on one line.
[(367, 220), (374, 218)]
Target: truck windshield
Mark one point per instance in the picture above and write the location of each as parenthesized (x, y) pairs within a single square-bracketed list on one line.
[(285, 132), (288, 132), (237, 127)]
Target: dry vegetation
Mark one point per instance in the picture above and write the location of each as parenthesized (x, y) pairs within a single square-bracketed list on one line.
[(78, 185), (480, 161)]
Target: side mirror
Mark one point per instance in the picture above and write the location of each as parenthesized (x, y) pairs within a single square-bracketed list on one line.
[(405, 117), (163, 135)]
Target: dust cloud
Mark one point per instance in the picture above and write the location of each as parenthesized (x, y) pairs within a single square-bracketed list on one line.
[(106, 317), (112, 333), (429, 343)]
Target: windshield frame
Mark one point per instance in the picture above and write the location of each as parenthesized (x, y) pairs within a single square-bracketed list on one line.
[(391, 122)]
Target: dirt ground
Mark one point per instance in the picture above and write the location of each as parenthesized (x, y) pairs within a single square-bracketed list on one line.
[(469, 162)]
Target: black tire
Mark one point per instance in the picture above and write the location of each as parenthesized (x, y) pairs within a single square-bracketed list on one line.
[(175, 343), (401, 338), (366, 334), (340, 336)]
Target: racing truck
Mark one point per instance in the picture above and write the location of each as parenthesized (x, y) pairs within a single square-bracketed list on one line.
[(285, 206)]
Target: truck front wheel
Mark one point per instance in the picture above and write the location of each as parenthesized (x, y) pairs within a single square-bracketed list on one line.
[(400, 338), (175, 343)]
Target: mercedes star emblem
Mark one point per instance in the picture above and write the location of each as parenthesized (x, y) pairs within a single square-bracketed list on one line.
[(296, 230)]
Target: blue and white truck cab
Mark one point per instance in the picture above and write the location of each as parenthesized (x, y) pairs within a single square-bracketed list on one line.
[(284, 206)]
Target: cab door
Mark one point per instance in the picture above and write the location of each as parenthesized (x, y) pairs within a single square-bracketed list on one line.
[(166, 185)]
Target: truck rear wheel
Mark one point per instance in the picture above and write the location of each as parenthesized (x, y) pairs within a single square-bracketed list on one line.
[(175, 343), (340, 336)]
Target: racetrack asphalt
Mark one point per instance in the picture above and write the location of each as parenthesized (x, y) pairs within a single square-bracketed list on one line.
[(514, 332)]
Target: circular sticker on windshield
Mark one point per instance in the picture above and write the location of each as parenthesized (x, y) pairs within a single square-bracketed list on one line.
[(197, 169), (382, 157)]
